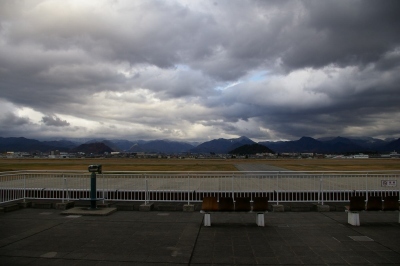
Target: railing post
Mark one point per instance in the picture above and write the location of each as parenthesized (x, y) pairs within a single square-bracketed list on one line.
[(321, 188), (68, 194), (233, 197), (102, 181), (188, 189), (366, 186), (277, 186), (146, 190), (24, 188), (219, 187), (398, 193), (63, 196)]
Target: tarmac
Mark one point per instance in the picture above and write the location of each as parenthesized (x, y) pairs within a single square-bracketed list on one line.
[(33, 236), (259, 167)]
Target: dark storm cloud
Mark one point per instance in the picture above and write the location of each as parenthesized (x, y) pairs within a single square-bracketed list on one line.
[(192, 68), (329, 101), (54, 121), (11, 120), (336, 32), (12, 125)]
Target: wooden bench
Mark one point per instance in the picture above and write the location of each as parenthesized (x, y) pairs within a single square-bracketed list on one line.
[(241, 204), (359, 203)]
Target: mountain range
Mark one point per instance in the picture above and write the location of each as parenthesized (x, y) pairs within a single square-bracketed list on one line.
[(221, 146), (248, 149), (334, 145)]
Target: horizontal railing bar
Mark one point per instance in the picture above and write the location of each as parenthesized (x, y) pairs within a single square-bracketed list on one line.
[(197, 172), (192, 186)]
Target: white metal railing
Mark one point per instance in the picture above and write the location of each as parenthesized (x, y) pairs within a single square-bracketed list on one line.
[(282, 186)]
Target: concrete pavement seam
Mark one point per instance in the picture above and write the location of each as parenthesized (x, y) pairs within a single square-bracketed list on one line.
[(195, 242)]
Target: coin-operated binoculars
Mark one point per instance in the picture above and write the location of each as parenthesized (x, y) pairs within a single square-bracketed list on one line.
[(94, 168)]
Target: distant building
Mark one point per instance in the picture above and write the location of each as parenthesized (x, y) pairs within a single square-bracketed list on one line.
[(361, 156), (54, 154)]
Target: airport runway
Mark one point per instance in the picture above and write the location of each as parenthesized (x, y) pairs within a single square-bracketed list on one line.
[(258, 167)]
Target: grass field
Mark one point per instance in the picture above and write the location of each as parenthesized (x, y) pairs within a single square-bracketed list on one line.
[(198, 165)]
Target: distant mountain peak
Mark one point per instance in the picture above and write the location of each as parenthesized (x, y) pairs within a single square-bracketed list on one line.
[(306, 138), (221, 145), (251, 149), (96, 148), (162, 146)]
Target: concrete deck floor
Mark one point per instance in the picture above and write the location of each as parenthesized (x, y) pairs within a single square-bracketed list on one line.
[(44, 237)]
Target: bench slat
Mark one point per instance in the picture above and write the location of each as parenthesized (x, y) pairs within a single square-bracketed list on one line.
[(374, 203), (391, 203), (260, 204), (357, 203), (242, 204), (209, 204), (226, 204)]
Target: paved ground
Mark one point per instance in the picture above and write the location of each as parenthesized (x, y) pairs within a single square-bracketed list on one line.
[(44, 237)]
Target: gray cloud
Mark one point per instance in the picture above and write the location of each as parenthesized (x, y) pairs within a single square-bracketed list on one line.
[(11, 120), (54, 121), (337, 33), (200, 69)]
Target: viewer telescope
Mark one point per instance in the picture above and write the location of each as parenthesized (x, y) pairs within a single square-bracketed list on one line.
[(95, 168)]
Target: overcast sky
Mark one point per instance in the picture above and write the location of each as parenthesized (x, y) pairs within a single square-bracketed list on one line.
[(199, 70)]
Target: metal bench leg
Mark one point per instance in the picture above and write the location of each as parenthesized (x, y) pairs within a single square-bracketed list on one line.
[(260, 219), (207, 219), (353, 218)]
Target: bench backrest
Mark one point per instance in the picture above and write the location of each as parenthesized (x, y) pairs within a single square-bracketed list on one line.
[(391, 203), (357, 203), (242, 204), (226, 204), (209, 204), (260, 204), (374, 203)]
